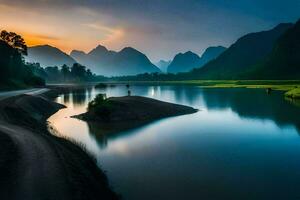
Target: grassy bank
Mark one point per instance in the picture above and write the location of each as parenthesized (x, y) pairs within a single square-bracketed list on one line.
[(294, 93), (284, 85)]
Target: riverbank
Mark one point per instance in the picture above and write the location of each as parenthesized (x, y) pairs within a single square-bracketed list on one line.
[(283, 85), (37, 165), (293, 94)]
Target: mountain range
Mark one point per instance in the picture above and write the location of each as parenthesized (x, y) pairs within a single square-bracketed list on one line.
[(184, 62), (128, 61), (241, 56), (271, 54)]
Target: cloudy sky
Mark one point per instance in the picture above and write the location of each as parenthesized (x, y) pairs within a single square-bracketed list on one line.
[(158, 28)]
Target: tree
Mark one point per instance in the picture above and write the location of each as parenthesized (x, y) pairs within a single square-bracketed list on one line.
[(15, 41), (65, 70), (78, 71)]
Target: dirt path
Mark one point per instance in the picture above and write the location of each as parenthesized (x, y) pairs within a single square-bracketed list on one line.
[(35, 165), (38, 165)]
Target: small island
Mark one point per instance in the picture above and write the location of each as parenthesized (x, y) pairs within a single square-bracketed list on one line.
[(121, 113)]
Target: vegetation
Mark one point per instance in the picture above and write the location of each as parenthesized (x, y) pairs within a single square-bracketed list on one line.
[(63, 74), (101, 107), (14, 73), (293, 94)]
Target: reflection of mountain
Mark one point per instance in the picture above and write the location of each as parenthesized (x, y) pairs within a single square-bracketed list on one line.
[(251, 103)]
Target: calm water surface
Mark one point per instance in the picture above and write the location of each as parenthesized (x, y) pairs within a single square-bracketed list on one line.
[(242, 144)]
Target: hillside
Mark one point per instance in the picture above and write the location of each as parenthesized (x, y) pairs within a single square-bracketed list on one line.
[(284, 60), (242, 55)]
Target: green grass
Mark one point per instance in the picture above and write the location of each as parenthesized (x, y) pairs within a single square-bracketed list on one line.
[(293, 94), (284, 85)]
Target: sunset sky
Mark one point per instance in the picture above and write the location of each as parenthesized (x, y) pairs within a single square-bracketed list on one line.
[(158, 28)]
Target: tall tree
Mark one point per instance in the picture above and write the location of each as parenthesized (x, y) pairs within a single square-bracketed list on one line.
[(14, 40)]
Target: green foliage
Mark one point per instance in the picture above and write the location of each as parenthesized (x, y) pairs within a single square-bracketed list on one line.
[(293, 94), (101, 107), (77, 73)]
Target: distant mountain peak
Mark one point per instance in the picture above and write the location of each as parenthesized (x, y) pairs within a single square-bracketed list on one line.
[(98, 49), (77, 52), (184, 62), (128, 61), (48, 55)]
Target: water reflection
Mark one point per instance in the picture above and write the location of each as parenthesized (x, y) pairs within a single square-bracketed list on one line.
[(247, 103), (254, 104)]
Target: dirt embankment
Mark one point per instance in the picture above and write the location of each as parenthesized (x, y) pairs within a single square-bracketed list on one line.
[(37, 165)]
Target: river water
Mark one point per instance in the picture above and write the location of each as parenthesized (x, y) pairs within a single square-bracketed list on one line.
[(242, 144)]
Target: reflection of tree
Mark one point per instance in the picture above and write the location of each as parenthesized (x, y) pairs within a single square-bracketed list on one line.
[(253, 103), (182, 94), (79, 96), (66, 98), (295, 102), (98, 133)]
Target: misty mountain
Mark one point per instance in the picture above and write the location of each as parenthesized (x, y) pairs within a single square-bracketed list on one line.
[(184, 62), (163, 65), (128, 61), (242, 55), (189, 60), (48, 56), (284, 60)]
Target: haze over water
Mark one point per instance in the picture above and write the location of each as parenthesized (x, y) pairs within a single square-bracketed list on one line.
[(242, 144)]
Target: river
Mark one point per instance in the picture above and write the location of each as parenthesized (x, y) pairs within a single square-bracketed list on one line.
[(242, 144)]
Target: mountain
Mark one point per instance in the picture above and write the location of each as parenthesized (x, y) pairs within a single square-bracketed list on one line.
[(163, 65), (211, 53), (284, 60), (184, 62), (48, 56), (128, 61), (189, 60), (242, 55)]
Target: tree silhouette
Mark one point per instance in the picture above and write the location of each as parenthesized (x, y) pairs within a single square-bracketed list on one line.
[(15, 41), (65, 70)]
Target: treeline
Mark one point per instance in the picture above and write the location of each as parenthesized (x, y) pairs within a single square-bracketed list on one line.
[(75, 73), (13, 70), (155, 77)]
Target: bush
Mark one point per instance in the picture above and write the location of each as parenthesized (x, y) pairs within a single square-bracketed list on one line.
[(101, 107)]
